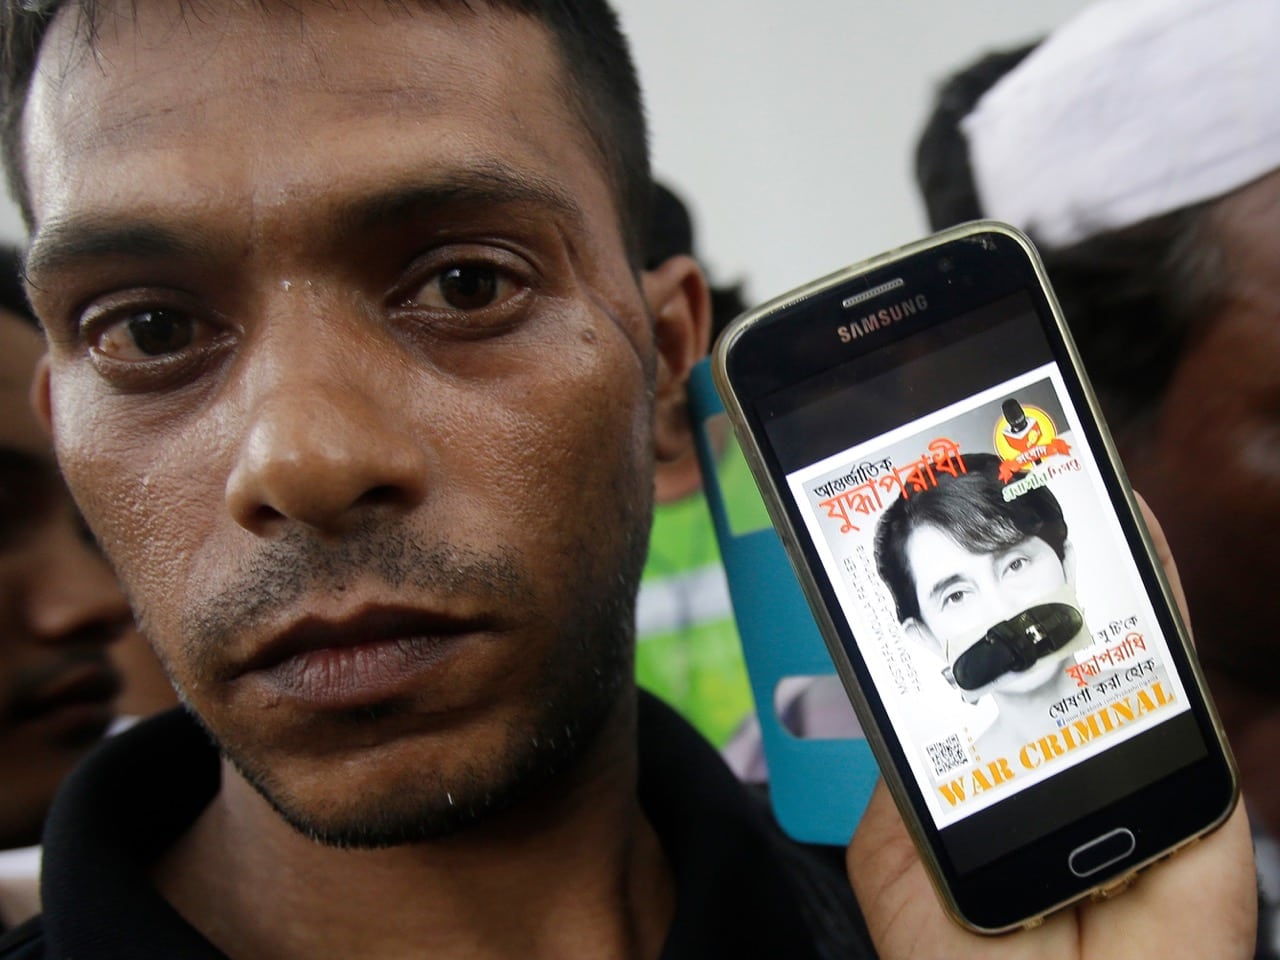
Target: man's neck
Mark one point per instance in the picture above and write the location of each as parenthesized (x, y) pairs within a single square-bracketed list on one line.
[(578, 871)]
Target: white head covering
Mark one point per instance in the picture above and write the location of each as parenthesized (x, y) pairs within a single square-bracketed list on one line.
[(1132, 109)]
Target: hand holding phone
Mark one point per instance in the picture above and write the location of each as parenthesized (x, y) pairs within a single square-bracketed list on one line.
[(938, 470), (1201, 903)]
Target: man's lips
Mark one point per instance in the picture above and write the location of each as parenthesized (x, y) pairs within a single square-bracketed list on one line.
[(77, 700), (374, 656)]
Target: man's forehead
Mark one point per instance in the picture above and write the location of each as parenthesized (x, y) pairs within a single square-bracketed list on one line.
[(157, 64), (265, 94)]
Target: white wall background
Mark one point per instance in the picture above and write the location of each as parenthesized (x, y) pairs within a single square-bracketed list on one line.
[(788, 125)]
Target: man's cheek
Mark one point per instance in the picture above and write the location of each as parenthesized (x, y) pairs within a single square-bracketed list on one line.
[(143, 527)]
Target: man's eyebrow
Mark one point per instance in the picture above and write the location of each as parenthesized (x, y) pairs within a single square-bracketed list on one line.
[(490, 186), (945, 584), (65, 242)]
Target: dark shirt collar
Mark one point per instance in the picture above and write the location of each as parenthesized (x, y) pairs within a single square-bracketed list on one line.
[(741, 888)]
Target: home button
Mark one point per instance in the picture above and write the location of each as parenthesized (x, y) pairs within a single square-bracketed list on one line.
[(1101, 852)]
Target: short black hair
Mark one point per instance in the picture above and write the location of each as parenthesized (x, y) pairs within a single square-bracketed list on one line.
[(13, 294), (971, 510), (671, 232), (1131, 298), (943, 172), (602, 85)]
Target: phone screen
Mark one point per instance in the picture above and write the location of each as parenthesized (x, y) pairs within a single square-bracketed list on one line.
[(961, 508)]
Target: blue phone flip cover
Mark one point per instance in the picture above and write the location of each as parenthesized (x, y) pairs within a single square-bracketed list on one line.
[(818, 787)]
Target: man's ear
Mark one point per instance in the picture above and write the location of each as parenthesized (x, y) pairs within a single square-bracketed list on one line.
[(680, 303), (41, 402)]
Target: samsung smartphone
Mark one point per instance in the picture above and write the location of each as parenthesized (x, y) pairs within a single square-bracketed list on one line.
[(937, 467)]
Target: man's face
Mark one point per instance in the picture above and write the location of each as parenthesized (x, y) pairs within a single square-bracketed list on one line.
[(59, 608), (352, 378), (1210, 464), (963, 594)]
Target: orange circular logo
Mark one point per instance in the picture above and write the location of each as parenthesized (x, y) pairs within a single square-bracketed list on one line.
[(1013, 440)]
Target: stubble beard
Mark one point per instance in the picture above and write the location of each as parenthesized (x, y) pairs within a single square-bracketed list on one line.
[(585, 680)]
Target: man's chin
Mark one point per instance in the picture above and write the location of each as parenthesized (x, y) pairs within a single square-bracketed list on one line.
[(385, 795), (421, 812), (387, 787)]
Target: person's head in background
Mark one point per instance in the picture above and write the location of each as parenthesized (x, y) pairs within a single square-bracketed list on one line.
[(689, 652), (943, 171), (146, 689), (60, 606), (671, 233), (1139, 147)]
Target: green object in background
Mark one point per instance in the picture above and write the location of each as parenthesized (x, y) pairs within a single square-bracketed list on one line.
[(688, 651)]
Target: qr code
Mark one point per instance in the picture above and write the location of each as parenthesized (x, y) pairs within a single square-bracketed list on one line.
[(947, 755)]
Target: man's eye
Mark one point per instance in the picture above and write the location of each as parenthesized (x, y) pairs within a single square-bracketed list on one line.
[(467, 287), (148, 333), (1016, 564), (952, 598)]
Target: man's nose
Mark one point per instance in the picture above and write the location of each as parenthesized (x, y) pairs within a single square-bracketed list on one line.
[(70, 595), (324, 447)]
